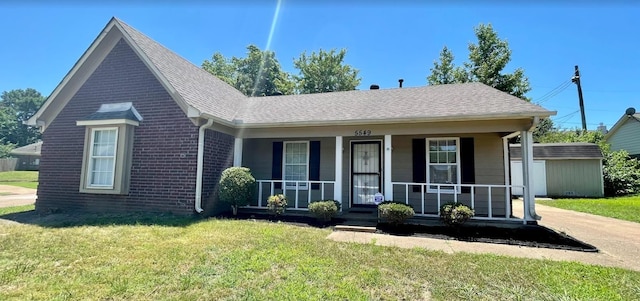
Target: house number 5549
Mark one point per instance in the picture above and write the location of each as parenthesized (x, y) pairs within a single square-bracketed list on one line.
[(363, 132)]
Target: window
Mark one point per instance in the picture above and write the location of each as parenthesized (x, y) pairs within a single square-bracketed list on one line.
[(296, 164), (443, 164), (102, 158)]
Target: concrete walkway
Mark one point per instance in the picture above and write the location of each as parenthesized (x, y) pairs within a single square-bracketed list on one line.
[(618, 241), (16, 196)]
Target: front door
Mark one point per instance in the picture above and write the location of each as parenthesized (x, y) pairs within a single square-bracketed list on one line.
[(366, 173)]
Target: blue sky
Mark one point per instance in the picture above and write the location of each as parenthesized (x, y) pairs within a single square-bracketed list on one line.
[(385, 40)]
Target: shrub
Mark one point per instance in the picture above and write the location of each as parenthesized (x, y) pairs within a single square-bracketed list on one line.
[(324, 210), (395, 213), (621, 174), (237, 187), (454, 214), (276, 204)]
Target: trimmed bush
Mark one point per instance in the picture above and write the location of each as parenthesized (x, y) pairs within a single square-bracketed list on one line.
[(454, 214), (237, 187), (324, 210), (277, 204), (395, 213)]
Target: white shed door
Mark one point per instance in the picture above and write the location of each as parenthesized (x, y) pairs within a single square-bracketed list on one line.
[(539, 178)]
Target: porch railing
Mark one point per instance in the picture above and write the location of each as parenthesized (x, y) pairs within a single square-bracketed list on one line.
[(299, 193), (454, 193)]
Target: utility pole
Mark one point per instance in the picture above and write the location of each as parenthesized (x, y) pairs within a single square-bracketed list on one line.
[(576, 79)]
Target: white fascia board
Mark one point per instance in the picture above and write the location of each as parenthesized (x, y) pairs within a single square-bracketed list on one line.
[(107, 122)]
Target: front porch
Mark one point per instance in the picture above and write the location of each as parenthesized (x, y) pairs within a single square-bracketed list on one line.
[(351, 170)]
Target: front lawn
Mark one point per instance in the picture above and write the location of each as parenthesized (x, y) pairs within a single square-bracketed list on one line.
[(27, 179), (625, 208), (150, 258)]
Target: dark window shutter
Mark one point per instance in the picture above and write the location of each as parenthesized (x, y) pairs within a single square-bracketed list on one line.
[(314, 163), (467, 163), (276, 167), (419, 153)]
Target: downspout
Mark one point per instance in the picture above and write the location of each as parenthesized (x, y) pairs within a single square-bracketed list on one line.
[(531, 209), (199, 168)]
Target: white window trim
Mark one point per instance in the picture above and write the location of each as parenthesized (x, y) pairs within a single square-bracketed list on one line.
[(448, 191), (90, 157), (301, 186)]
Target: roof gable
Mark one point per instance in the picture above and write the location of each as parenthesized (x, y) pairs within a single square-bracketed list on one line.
[(624, 119), (200, 94)]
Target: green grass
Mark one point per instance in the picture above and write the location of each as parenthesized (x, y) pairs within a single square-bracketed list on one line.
[(625, 208), (169, 258), (27, 179), (8, 210)]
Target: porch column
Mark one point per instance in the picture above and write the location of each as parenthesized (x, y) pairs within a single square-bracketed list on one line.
[(237, 152), (388, 187), (337, 187), (528, 196)]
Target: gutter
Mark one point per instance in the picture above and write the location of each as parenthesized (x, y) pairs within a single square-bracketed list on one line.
[(198, 200), (531, 209)]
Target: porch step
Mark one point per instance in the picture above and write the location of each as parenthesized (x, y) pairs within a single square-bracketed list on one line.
[(354, 228)]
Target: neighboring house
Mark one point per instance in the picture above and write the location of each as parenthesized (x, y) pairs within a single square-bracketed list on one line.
[(134, 126), (28, 156), (625, 134), (561, 169)]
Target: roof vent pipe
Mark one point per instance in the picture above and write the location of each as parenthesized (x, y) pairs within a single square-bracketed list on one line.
[(374, 87), (400, 82)]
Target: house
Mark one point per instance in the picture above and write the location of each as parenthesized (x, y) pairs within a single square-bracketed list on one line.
[(561, 169), (135, 127), (28, 156), (625, 134)]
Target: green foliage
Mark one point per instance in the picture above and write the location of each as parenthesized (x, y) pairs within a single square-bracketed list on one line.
[(16, 106), (621, 173), (324, 210), (487, 60), (444, 71), (455, 214), (325, 72), (5, 149), (395, 213), (566, 136), (277, 204), (237, 187), (257, 74)]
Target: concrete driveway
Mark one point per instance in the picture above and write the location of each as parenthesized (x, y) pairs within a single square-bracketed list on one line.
[(618, 241), (16, 196)]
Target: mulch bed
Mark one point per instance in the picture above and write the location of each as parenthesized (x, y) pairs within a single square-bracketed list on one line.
[(520, 235)]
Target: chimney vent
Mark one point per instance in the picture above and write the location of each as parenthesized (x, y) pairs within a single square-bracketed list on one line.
[(374, 87), (400, 82)]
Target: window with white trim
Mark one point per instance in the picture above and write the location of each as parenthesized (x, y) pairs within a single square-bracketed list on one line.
[(296, 164), (443, 164), (102, 158)]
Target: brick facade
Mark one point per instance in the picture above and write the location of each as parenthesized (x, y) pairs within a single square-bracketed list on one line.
[(218, 155), (163, 172)]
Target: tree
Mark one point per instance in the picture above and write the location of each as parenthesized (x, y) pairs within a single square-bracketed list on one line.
[(258, 74), (325, 72), (487, 60), (444, 71), (16, 106)]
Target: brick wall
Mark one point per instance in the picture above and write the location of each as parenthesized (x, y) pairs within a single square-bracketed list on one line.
[(163, 173), (218, 155)]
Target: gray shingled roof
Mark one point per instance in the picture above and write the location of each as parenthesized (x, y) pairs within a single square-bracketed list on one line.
[(216, 98), (32, 149), (463, 101), (552, 151), (197, 87)]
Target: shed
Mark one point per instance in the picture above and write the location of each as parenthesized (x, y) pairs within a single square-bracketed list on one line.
[(28, 156), (561, 169)]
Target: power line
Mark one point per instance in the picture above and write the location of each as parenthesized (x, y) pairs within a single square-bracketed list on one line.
[(555, 91)]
